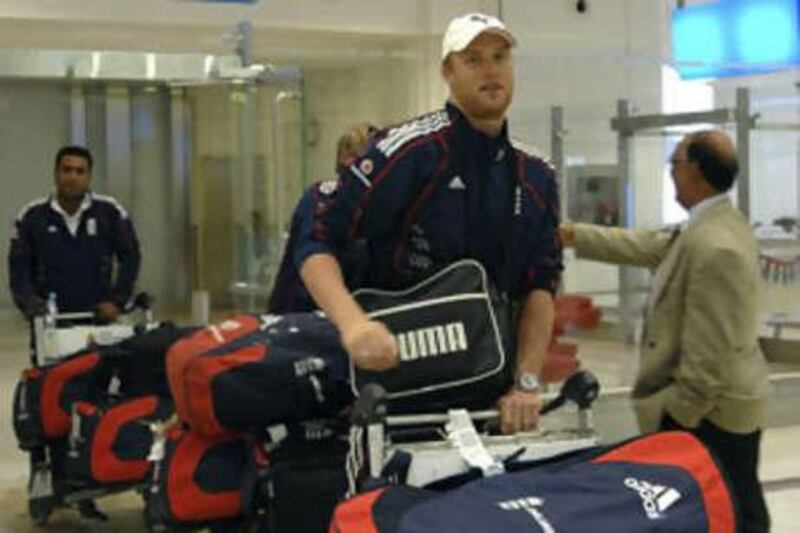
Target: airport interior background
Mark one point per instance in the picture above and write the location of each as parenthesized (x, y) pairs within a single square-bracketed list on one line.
[(208, 119)]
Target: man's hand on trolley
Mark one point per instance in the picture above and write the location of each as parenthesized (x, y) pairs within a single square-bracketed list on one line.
[(35, 307), (370, 345), (107, 312), (519, 411)]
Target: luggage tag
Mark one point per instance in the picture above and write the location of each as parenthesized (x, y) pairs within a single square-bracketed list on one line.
[(462, 433), (114, 386), (75, 434), (160, 430), (158, 449)]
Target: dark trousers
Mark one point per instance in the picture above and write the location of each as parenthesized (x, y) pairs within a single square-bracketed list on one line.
[(738, 455)]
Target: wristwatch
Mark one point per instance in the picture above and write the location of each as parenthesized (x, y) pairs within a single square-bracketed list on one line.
[(527, 382)]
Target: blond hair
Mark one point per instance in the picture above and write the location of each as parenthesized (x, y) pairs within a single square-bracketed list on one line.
[(353, 140)]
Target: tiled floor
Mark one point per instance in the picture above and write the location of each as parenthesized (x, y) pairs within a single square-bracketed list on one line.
[(611, 361)]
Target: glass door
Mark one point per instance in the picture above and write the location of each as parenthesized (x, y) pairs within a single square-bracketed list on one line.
[(246, 173)]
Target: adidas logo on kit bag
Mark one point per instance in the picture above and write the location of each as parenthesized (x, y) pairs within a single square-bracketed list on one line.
[(656, 499)]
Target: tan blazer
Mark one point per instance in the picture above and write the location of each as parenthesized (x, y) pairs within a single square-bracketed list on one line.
[(699, 353)]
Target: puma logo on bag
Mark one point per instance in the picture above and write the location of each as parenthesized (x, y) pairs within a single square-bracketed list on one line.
[(432, 341)]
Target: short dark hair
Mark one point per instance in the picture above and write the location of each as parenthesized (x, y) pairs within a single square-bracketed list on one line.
[(718, 168), (74, 150)]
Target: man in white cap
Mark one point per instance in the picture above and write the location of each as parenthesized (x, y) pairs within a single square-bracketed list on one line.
[(446, 186)]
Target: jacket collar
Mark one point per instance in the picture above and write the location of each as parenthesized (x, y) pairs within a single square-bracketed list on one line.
[(72, 222), (495, 147), (86, 203), (707, 207)]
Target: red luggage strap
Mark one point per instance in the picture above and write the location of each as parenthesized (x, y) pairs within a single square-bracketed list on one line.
[(55, 420), (105, 465), (357, 514)]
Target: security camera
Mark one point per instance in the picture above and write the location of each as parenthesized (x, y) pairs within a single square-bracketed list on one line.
[(582, 6)]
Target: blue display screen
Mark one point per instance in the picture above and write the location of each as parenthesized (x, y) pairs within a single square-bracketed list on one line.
[(228, 1), (736, 37)]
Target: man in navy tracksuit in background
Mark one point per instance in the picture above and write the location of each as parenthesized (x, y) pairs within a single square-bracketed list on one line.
[(442, 187), (289, 295), (67, 244)]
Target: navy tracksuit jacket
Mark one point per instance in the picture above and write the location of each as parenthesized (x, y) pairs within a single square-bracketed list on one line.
[(422, 195), (45, 257)]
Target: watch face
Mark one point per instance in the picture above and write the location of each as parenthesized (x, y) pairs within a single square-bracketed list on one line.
[(528, 382)]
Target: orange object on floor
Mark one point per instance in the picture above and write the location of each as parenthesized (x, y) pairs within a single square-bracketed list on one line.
[(575, 311), (560, 362), (572, 311)]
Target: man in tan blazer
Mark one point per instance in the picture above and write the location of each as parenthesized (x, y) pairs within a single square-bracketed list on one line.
[(700, 368)]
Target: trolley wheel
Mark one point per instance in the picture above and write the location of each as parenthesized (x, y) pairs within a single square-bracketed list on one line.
[(88, 509), (42, 497), (40, 509)]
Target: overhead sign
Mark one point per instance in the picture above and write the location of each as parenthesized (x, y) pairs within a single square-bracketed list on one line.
[(736, 37)]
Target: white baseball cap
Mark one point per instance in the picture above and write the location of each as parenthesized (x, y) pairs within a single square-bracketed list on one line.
[(463, 30)]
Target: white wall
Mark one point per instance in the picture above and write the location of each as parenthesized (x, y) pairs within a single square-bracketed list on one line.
[(338, 98), (184, 25), (308, 14)]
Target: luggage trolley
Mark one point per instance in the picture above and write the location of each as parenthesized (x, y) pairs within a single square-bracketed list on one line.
[(662, 481), (312, 458), (55, 336), (424, 449)]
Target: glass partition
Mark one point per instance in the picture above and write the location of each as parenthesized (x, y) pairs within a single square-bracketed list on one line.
[(246, 175)]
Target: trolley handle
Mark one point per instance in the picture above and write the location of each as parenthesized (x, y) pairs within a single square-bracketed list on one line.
[(582, 388), (142, 301)]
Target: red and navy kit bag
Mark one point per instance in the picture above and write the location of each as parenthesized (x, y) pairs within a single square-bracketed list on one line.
[(249, 372), (44, 396), (186, 350), (140, 361), (660, 482), (204, 482), (109, 444)]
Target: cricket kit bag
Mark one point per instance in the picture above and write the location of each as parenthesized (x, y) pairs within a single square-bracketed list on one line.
[(109, 444), (44, 396), (140, 361), (660, 482), (198, 482), (250, 372), (452, 335)]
